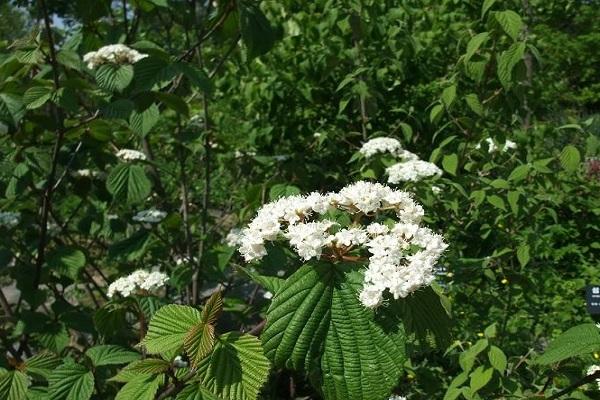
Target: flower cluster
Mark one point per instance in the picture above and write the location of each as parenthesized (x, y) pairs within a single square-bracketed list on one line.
[(493, 147), (130, 155), (385, 145), (402, 253), (397, 397), (149, 216), (9, 219), (412, 170), (592, 370), (88, 173), (112, 54), (136, 281), (410, 167)]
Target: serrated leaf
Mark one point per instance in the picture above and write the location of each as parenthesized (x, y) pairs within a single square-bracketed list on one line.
[(450, 163), (13, 385), (497, 359), (70, 381), (196, 77), (449, 95), (475, 70), (212, 308), (316, 319), (475, 43), (257, 33), (236, 369), (507, 61), (570, 158), (11, 107), (169, 327), (142, 121), (140, 388), (510, 22), (577, 341), (523, 254), (196, 392), (519, 173), (110, 355), (36, 96), (113, 77), (141, 368), (42, 364), (487, 4), (474, 104), (128, 183), (496, 201), (270, 283), (199, 342), (153, 73), (67, 261)]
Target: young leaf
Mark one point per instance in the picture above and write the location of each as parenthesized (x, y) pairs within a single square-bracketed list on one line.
[(523, 254), (236, 369), (487, 4), (449, 95), (110, 355), (474, 104), (169, 327), (36, 96), (212, 308), (70, 381), (480, 377), (199, 342), (475, 43)]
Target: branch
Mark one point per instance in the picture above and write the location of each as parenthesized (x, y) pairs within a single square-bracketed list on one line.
[(581, 382)]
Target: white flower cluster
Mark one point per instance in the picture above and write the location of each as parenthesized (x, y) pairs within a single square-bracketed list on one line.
[(138, 280), (592, 370), (386, 145), (149, 216), (234, 237), (112, 54), (493, 147), (88, 173), (412, 170), (397, 397), (402, 255), (130, 155), (9, 219)]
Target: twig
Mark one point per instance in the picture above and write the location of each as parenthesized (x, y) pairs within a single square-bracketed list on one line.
[(575, 385)]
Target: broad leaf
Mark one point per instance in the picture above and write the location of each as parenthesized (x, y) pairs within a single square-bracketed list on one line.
[(142, 121), (113, 77), (67, 261), (570, 158), (169, 327), (42, 364), (236, 369), (577, 341), (37, 96), (257, 33), (13, 385), (141, 368), (129, 183), (140, 388), (475, 43), (510, 22), (316, 322), (70, 381), (507, 62), (110, 355), (196, 392)]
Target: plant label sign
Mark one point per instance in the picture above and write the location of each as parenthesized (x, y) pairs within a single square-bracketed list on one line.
[(593, 299)]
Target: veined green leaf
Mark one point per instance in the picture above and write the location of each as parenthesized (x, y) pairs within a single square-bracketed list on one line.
[(113, 77), (570, 158), (577, 341), (13, 385), (70, 381), (129, 183), (507, 61), (510, 22), (169, 327), (110, 355), (140, 388)]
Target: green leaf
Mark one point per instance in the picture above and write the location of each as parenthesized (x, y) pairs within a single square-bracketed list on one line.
[(523, 254), (577, 341), (132, 248), (513, 201), (474, 104), (436, 113), (67, 261), (257, 33), (475, 70), (237, 368), (196, 392), (497, 359), (507, 61), (196, 77), (475, 43), (110, 355), (36, 96), (128, 183), (113, 77), (519, 173), (487, 4), (153, 73), (270, 283), (450, 163), (570, 158), (496, 201), (140, 388), (480, 377), (13, 385), (510, 22), (449, 95), (141, 369), (70, 381), (169, 327), (142, 122), (316, 319), (174, 102), (42, 364), (12, 108), (199, 342)]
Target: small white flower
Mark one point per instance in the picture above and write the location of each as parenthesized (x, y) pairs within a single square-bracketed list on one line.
[(268, 295), (234, 237), (413, 170), (178, 362), (381, 145), (436, 189), (493, 147), (87, 173), (112, 54), (131, 155), (9, 219), (592, 370), (149, 216), (138, 280), (397, 397)]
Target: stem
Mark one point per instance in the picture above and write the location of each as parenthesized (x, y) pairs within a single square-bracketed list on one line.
[(49, 190), (575, 385)]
